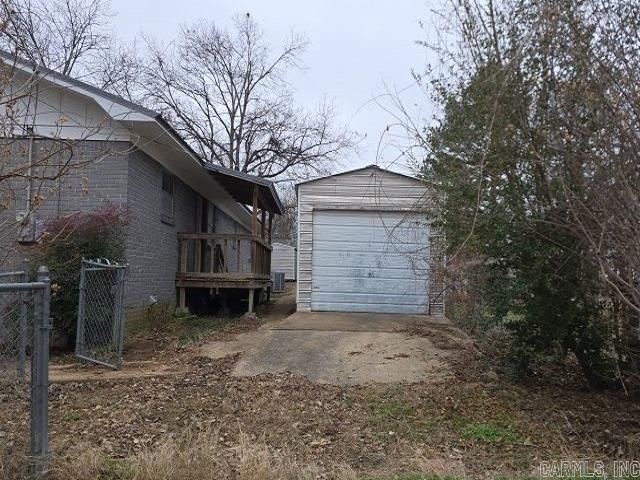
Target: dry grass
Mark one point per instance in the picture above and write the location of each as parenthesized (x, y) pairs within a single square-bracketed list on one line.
[(200, 456), (193, 455), (13, 463), (438, 467), (196, 455), (258, 462)]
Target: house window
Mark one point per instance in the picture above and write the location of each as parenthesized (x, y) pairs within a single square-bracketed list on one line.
[(166, 200)]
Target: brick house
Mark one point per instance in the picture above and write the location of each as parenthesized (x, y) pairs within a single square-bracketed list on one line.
[(195, 228)]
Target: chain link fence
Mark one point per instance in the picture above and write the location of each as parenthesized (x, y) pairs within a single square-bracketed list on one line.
[(100, 332), (24, 373), (15, 329)]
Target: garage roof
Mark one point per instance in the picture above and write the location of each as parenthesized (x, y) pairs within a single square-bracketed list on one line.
[(372, 166)]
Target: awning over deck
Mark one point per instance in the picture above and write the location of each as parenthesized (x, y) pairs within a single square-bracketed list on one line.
[(241, 187)]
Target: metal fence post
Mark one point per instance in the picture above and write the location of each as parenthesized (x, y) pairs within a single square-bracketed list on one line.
[(121, 273), (115, 326), (40, 378), (81, 308), (22, 344)]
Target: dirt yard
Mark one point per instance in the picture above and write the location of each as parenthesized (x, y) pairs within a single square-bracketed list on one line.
[(475, 424)]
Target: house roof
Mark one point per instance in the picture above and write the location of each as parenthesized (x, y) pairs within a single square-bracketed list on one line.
[(372, 166), (238, 185), (52, 74)]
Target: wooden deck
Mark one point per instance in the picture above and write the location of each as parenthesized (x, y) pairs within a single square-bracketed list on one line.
[(213, 260)]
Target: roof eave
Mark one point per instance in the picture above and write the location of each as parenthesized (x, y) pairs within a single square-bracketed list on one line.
[(267, 185)]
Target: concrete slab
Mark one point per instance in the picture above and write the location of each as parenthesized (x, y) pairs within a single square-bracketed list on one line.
[(344, 349), (345, 358), (355, 322)]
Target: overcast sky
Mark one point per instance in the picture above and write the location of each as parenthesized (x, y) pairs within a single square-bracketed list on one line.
[(356, 46)]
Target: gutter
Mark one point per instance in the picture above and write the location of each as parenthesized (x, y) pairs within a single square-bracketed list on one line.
[(166, 126)]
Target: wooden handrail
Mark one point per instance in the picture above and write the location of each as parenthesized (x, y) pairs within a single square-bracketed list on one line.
[(210, 254), (224, 236)]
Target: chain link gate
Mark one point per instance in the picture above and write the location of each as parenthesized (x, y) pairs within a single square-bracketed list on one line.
[(100, 313), (24, 349)]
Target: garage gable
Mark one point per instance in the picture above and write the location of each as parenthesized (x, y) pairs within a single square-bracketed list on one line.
[(368, 187)]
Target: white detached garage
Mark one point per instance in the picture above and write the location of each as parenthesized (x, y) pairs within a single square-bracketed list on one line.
[(364, 245)]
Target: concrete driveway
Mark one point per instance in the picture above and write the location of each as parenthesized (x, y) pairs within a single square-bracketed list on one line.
[(347, 349)]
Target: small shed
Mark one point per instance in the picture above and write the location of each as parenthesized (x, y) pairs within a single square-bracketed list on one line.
[(284, 259), (365, 245)]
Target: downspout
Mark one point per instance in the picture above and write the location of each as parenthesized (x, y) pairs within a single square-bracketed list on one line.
[(29, 170), (31, 132)]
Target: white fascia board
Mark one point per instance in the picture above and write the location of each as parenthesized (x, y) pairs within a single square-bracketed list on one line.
[(117, 111), (112, 107)]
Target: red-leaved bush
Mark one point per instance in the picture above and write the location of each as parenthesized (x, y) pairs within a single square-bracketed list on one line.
[(65, 241)]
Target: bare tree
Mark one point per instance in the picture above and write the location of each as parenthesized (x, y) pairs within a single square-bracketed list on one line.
[(285, 226), (63, 35), (601, 139), (121, 72), (227, 93), (609, 220)]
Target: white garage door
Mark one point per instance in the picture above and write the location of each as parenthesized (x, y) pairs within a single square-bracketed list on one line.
[(366, 261)]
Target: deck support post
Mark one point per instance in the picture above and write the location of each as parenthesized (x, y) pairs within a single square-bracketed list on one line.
[(224, 301), (183, 299), (254, 212), (251, 295), (254, 229)]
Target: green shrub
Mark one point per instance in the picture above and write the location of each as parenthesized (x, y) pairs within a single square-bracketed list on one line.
[(500, 200), (65, 242)]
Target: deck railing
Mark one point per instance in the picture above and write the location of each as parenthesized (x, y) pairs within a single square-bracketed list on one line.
[(224, 256)]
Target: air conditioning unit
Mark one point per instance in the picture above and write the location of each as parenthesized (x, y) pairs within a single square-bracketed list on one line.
[(29, 228), (277, 279)]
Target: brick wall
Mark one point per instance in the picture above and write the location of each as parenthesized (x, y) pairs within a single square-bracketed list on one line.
[(152, 246), (96, 174), (110, 172), (102, 172)]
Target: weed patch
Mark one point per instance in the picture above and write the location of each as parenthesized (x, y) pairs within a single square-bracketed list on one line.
[(71, 417), (390, 413), (162, 326), (193, 329), (499, 432)]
